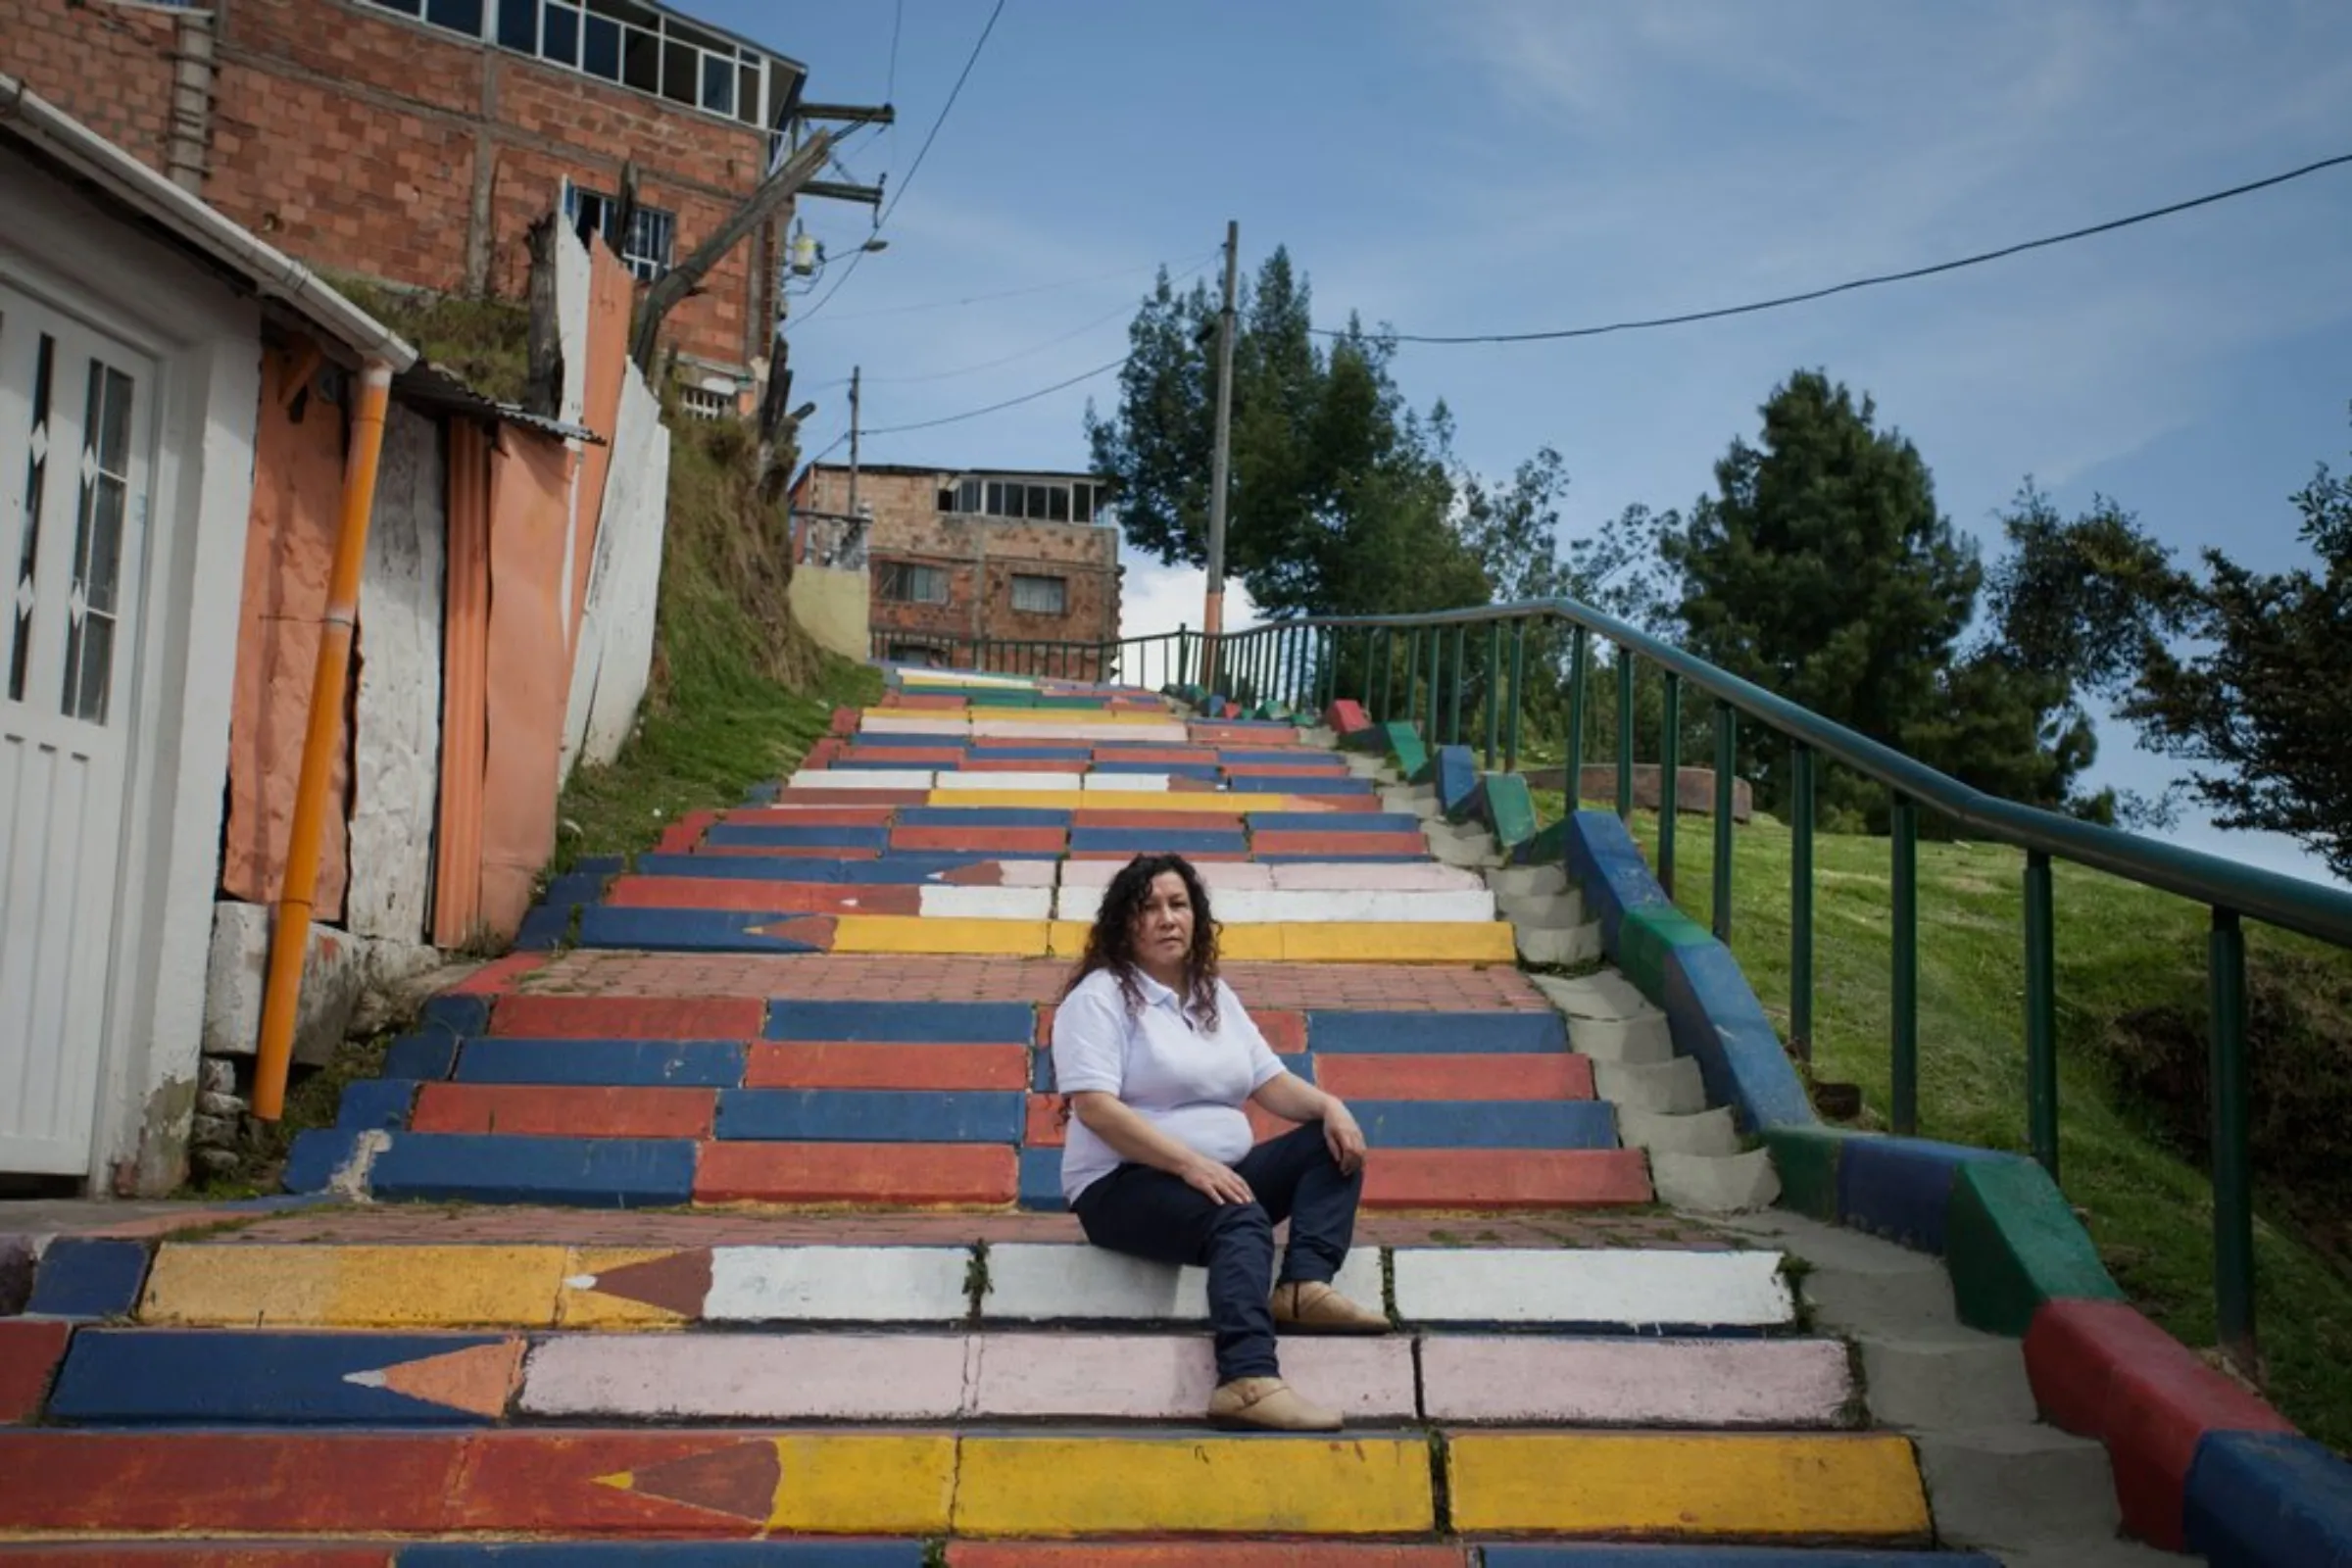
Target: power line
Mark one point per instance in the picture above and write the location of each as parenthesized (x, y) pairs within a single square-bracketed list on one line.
[(920, 153), (1194, 265), (1976, 259), (1112, 315), (1008, 402)]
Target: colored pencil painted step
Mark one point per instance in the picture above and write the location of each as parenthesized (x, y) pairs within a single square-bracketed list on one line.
[(346, 1287), (925, 1377)]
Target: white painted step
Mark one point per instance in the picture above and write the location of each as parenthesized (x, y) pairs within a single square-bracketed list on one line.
[(937, 1377), (1268, 905), (1615, 1288), (1305, 876), (1517, 1378), (1049, 1282)]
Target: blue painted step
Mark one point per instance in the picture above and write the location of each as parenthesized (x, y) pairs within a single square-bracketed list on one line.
[(640, 1063), (871, 1115), (973, 1023), (1487, 1123), (236, 1376), (1415, 1033)]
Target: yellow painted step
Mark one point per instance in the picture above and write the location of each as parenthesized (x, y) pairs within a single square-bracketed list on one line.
[(1052, 1486), (1203, 803), (1339, 942), (937, 934), (1760, 1486), (295, 1286)]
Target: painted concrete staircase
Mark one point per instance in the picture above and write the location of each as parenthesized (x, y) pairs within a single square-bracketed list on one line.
[(722, 1227)]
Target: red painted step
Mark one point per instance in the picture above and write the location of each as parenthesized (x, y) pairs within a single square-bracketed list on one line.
[(863, 1064), (1505, 1178), (565, 1110), (1369, 1076), (629, 1017), (780, 896), (865, 1174)]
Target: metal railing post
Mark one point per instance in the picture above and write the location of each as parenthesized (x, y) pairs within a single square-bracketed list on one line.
[(1579, 653), (1670, 758), (1511, 729), (1800, 901), (2041, 1016), (1905, 1010), (1727, 747), (2233, 1177), (1625, 732)]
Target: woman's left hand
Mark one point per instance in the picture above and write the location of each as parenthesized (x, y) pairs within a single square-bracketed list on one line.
[(1345, 1138)]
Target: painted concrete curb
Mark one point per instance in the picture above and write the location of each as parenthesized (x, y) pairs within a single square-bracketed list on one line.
[(2019, 1260)]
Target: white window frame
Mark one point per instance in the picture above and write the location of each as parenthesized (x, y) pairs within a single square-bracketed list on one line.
[(891, 573), (1061, 593), (653, 237)]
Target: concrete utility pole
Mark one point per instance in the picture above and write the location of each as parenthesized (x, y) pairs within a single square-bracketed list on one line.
[(1214, 616), (855, 372)]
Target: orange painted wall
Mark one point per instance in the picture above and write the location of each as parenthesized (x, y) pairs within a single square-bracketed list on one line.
[(611, 297), (529, 670), (289, 545)]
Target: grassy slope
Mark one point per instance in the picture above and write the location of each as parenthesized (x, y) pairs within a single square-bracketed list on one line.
[(739, 694), (2119, 948)]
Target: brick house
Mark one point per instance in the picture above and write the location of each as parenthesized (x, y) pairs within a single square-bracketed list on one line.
[(416, 141), (966, 565)]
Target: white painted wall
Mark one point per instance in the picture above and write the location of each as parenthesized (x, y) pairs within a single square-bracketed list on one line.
[(397, 740), (625, 591), (58, 244)]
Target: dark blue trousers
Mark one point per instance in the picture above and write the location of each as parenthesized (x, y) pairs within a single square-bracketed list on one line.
[(1149, 1213)]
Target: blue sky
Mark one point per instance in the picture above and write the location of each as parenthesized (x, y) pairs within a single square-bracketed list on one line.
[(1505, 165)]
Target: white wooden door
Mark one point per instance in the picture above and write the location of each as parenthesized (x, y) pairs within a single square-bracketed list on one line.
[(74, 420)]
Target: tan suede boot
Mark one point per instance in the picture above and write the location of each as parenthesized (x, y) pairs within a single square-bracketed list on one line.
[(1266, 1404), (1313, 1307)]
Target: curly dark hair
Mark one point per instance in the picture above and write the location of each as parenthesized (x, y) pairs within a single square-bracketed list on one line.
[(1111, 943)]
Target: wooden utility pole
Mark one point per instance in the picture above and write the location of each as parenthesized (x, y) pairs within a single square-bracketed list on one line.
[(855, 372), (764, 204), (1213, 618)]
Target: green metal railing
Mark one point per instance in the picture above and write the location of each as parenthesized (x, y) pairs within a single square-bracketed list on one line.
[(1163, 660), (1418, 667)]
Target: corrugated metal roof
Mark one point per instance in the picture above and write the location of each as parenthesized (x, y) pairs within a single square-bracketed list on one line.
[(434, 386)]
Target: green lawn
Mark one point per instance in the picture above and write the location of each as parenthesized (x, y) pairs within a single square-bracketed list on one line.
[(739, 694), (2119, 948)]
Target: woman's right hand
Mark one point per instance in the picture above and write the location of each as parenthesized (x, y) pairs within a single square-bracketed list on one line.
[(1221, 1183)]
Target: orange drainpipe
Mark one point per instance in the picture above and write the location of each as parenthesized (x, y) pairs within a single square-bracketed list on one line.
[(289, 939)]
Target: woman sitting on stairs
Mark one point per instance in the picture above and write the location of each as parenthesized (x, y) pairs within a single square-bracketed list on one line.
[(1156, 1056)]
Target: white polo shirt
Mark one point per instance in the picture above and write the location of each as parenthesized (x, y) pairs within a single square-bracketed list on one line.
[(1187, 1081)]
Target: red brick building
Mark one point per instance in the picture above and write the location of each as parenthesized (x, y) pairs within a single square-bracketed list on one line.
[(969, 564), (416, 141)]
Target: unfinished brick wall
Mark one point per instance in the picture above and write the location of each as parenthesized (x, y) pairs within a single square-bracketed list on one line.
[(981, 557), (357, 141), (108, 66)]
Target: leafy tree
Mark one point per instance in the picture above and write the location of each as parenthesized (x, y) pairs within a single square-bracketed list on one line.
[(1822, 570), (2265, 693), (1342, 497)]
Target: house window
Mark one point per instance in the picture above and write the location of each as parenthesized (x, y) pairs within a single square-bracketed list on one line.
[(639, 46), (904, 582), (1040, 596), (652, 231), (1064, 501)]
